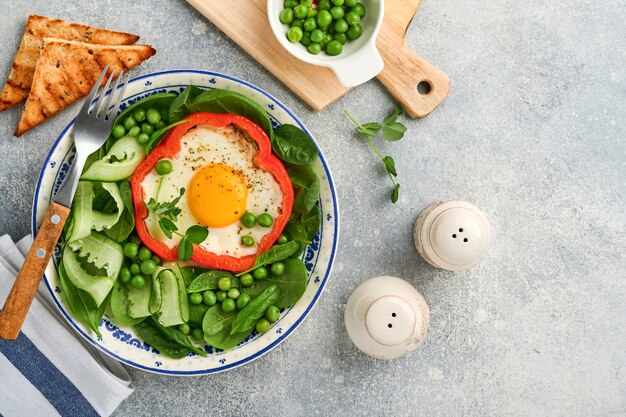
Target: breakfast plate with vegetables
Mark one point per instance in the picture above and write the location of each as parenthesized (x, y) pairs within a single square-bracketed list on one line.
[(201, 234)]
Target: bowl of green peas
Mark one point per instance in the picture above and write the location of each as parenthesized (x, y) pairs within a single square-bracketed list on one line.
[(337, 34)]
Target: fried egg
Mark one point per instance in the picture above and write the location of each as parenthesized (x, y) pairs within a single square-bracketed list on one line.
[(216, 167)]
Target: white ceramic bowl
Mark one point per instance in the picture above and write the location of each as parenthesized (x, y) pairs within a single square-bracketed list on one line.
[(359, 61), (121, 342)]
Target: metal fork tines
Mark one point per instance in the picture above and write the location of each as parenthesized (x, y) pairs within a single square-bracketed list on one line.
[(92, 128)]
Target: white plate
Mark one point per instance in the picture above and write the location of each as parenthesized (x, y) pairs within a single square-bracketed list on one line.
[(121, 342)]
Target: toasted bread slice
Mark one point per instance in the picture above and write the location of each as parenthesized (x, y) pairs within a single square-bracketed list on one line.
[(37, 28), (67, 70)]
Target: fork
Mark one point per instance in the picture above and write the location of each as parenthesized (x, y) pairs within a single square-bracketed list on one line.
[(92, 127)]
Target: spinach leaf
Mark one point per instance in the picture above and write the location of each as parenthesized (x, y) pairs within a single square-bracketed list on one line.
[(251, 313), (189, 272), (293, 146), (225, 101), (312, 221), (292, 283), (159, 101), (81, 303), (209, 281), (179, 107), (274, 254), (216, 320), (123, 228), (155, 136), (224, 340), (307, 184), (179, 337), (196, 314), (151, 333)]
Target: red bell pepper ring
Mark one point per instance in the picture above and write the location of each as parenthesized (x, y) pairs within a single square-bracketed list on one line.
[(170, 147)]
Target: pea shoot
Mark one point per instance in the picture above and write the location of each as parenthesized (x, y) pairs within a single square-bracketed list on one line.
[(392, 131), (168, 213)]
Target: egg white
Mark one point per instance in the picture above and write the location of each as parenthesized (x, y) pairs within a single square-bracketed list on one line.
[(205, 145)]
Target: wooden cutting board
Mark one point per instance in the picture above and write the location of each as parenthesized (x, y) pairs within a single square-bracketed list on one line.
[(246, 23)]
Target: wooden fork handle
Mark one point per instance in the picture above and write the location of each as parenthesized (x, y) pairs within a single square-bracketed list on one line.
[(23, 291)]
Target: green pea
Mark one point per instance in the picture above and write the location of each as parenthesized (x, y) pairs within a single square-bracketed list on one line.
[(312, 12), (282, 239), (137, 282), (243, 301), (286, 16), (156, 259), (129, 123), (220, 296), (195, 298), (248, 219), (143, 138), (301, 11), (294, 34), (341, 26), (224, 283), (148, 267), (350, 3), (353, 18), (314, 48), (297, 23), (130, 249), (341, 37), (327, 38), (159, 125), (184, 328), (338, 2), (144, 253), (125, 275), (134, 238), (163, 167), (197, 334), (134, 269), (272, 314), (265, 220), (228, 305), (233, 293), (209, 298), (291, 3), (247, 241), (310, 24), (260, 273), (323, 5), (360, 9), (153, 116), (337, 12), (118, 131), (334, 48), (247, 280), (134, 131), (317, 36), (139, 115), (306, 39), (278, 268), (324, 18), (147, 128), (164, 114), (354, 32), (262, 326)]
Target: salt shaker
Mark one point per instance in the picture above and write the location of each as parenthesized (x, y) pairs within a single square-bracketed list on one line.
[(386, 317)]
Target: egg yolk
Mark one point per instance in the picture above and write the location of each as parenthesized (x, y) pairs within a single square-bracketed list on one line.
[(217, 195)]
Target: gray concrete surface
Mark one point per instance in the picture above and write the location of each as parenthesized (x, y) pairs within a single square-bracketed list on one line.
[(532, 132)]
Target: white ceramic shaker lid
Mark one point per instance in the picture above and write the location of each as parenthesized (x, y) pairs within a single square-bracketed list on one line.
[(386, 317), (453, 235)]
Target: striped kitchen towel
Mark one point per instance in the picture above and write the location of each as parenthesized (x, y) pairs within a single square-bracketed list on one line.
[(50, 370)]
